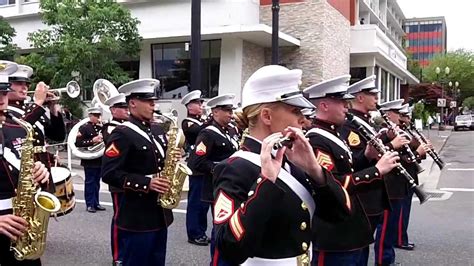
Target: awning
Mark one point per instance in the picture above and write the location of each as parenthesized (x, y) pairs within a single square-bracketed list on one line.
[(259, 34)]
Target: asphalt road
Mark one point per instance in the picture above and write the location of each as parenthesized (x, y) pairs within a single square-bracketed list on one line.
[(443, 228)]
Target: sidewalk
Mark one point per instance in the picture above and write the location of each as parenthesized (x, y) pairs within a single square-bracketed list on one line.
[(429, 178)]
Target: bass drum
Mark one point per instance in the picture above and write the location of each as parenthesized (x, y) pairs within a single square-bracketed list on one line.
[(64, 190)]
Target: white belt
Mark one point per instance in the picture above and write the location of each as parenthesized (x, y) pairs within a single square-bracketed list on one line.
[(270, 262), (6, 204)]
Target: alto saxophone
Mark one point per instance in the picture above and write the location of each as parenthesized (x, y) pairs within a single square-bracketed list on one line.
[(31, 204), (174, 170)]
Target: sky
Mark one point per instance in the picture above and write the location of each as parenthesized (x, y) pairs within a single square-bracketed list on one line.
[(458, 13)]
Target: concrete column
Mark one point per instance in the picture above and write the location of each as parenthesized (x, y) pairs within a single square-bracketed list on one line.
[(230, 72)]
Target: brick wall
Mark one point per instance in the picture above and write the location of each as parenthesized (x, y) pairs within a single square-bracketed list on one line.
[(253, 58), (325, 39)]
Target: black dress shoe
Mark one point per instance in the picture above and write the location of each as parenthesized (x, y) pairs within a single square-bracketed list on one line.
[(91, 210), (99, 208), (410, 246), (207, 239), (202, 241)]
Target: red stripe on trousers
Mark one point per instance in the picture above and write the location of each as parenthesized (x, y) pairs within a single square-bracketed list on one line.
[(115, 229), (382, 236), (400, 227), (321, 258), (216, 257)]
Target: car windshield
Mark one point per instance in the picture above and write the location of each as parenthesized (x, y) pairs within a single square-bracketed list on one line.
[(463, 118)]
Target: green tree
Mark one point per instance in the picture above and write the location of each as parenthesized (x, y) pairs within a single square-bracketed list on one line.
[(7, 47), (413, 66), (468, 103), (461, 64), (87, 37)]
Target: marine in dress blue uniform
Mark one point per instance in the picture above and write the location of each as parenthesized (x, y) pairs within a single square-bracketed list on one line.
[(389, 232), (374, 199), (133, 159), (261, 219), (397, 189), (196, 210), (89, 135), (216, 142), (119, 110), (47, 122), (340, 243), (405, 210), (10, 225)]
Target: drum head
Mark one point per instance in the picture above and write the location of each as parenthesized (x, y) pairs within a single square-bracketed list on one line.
[(59, 174)]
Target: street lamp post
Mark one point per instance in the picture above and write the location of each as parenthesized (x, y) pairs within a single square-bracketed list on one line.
[(275, 29), (446, 72)]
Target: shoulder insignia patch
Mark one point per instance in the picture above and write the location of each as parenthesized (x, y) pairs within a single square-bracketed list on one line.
[(353, 139), (324, 160), (110, 129), (201, 149), (223, 208), (112, 151), (190, 124)]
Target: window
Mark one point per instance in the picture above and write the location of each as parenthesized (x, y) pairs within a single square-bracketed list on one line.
[(7, 2), (383, 87), (357, 74), (391, 87), (172, 66)]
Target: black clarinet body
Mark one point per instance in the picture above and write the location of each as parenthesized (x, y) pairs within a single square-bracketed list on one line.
[(392, 126), (380, 147), (421, 138)]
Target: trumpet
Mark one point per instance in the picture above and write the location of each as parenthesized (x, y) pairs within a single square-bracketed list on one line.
[(72, 89)]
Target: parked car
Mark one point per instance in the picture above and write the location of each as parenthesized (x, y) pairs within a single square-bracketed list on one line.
[(463, 121)]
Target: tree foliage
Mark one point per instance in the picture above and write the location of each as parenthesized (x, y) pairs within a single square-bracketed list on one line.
[(87, 37), (7, 47), (413, 66), (468, 103), (461, 64)]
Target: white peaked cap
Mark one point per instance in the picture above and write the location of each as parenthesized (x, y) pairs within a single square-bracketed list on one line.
[(274, 83)]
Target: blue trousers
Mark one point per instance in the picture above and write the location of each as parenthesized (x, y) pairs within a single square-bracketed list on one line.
[(404, 218), (196, 213), (374, 220), (116, 233), (144, 248), (92, 186), (346, 258), (216, 258), (386, 236)]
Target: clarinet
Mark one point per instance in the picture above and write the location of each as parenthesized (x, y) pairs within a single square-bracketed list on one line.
[(421, 139), (407, 148), (378, 145)]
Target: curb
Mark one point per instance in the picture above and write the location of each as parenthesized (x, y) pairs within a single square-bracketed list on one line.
[(435, 170)]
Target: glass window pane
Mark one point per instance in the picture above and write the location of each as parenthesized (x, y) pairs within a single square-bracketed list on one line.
[(172, 66)]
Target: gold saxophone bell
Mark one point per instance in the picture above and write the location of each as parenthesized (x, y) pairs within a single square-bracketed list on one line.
[(173, 169), (31, 204)]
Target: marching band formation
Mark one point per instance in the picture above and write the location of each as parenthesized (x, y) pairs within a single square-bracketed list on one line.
[(294, 177)]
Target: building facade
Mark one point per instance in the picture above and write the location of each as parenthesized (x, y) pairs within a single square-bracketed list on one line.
[(324, 38), (425, 38), (376, 46), (236, 41)]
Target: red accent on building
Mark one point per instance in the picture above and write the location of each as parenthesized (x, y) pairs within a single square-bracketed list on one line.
[(424, 35), (425, 49), (343, 7), (269, 2)]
